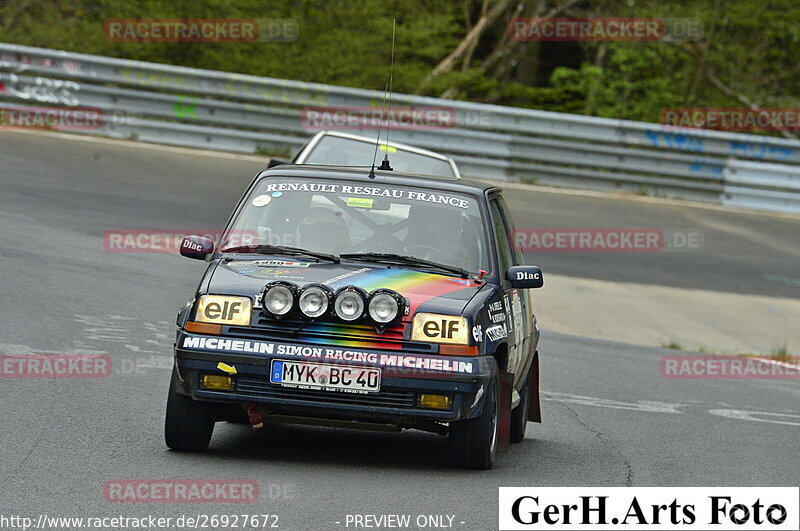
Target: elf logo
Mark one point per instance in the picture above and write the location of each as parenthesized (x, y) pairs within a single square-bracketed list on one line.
[(446, 328), (225, 313), (440, 328), (223, 309)]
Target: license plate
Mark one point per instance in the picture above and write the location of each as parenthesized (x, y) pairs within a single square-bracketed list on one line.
[(343, 378)]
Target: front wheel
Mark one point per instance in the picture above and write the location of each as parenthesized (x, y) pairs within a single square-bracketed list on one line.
[(474, 441), (187, 426)]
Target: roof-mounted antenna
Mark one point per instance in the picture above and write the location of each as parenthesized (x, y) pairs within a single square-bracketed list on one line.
[(378, 141), (387, 90), (385, 163)]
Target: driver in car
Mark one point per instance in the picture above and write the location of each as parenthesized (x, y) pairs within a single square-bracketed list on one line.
[(430, 227), (323, 229)]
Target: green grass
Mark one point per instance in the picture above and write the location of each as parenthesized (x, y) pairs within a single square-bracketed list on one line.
[(778, 354), (704, 350), (781, 354), (273, 151)]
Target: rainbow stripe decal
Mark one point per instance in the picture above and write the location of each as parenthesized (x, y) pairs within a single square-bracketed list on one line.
[(355, 343), (418, 286)]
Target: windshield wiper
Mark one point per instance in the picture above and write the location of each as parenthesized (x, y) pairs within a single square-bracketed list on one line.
[(402, 259), (280, 250)]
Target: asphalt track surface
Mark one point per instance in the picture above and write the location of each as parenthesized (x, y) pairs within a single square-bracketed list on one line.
[(610, 419)]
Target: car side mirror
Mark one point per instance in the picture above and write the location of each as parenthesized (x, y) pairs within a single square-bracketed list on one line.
[(525, 276), (275, 161), (197, 247)]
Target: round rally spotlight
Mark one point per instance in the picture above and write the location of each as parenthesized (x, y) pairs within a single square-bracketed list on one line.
[(349, 303), (385, 306), (314, 300), (278, 298)]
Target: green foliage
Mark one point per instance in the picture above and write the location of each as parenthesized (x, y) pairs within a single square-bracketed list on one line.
[(628, 85), (340, 42), (752, 47)]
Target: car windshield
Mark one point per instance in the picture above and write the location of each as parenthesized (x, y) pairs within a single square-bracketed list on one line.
[(338, 151), (352, 217)]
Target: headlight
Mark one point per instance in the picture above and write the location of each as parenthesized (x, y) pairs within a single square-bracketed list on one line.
[(385, 306), (349, 303), (436, 328), (278, 298), (224, 310), (314, 300)]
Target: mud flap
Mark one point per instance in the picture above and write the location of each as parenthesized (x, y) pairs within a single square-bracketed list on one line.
[(504, 407), (535, 409)]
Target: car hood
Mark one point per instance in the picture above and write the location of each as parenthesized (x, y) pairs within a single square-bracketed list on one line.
[(427, 292)]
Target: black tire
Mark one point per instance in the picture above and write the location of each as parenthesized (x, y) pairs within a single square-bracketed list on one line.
[(187, 426), (474, 441), (519, 416)]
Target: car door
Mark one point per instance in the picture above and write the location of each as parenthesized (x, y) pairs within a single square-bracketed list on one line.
[(514, 300), (525, 315)]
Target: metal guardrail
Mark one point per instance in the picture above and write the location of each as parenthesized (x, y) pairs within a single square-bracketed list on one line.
[(218, 110)]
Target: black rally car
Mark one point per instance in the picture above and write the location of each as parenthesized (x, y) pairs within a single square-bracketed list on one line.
[(343, 297)]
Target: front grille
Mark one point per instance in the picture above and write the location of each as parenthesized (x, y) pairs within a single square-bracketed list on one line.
[(356, 331), (319, 332), (261, 388)]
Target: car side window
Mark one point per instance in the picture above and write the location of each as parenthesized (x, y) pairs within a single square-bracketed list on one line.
[(302, 148), (517, 256), (504, 253)]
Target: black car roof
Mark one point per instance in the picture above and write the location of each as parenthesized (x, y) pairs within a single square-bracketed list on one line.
[(361, 174)]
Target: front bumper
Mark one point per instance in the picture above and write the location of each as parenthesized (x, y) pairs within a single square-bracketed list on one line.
[(404, 376)]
